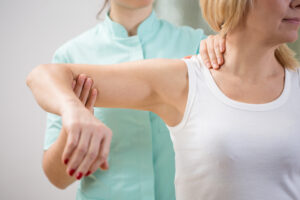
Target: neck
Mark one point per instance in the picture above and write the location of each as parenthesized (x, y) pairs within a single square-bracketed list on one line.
[(128, 17), (248, 57)]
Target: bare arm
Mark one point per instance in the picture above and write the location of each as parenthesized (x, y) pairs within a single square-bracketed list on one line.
[(156, 85), (142, 85), (54, 169)]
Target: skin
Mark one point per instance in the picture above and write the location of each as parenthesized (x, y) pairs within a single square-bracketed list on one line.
[(143, 85), (245, 76), (212, 50), (129, 13), (54, 169)]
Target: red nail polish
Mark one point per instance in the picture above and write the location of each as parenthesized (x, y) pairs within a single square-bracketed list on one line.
[(72, 172), (79, 176), (88, 173), (66, 161)]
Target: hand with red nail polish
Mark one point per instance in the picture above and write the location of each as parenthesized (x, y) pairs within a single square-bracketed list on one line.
[(55, 166), (86, 160), (79, 176)]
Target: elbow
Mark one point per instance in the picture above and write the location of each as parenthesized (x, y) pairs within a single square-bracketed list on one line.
[(52, 177), (47, 71), (61, 186), (31, 77)]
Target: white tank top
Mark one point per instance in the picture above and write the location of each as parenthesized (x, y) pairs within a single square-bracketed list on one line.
[(229, 150)]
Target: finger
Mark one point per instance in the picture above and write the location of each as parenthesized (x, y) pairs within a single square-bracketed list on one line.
[(90, 157), (86, 90), (91, 101), (204, 53), (72, 141), (105, 147), (218, 53), (79, 153), (79, 84), (103, 153), (223, 44), (211, 53), (73, 84)]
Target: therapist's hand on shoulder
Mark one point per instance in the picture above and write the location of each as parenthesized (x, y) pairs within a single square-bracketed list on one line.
[(212, 50), (88, 142)]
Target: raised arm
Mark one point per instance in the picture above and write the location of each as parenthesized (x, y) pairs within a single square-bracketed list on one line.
[(159, 85), (142, 85)]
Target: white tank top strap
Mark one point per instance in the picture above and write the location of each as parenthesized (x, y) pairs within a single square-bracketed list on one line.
[(191, 68), (298, 72)]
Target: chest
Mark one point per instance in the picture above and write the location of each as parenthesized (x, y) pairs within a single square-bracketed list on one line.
[(238, 138), (254, 92)]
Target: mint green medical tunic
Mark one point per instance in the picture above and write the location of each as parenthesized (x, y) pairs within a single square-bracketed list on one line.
[(141, 157)]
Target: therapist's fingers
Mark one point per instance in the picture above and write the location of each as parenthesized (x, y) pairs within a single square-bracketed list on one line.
[(211, 51), (73, 84), (218, 53), (222, 43), (101, 161), (91, 100), (89, 157), (204, 54), (86, 90), (79, 152), (220, 47), (79, 84), (72, 141), (105, 148)]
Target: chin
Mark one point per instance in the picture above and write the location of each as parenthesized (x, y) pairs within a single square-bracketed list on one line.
[(291, 37), (138, 3)]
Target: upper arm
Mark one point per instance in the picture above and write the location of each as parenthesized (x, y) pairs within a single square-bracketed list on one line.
[(144, 85)]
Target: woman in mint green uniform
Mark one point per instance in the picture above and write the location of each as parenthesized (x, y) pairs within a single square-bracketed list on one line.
[(141, 158)]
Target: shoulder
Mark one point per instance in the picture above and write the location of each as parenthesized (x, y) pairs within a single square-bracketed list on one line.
[(183, 31), (194, 65), (81, 41), (297, 75)]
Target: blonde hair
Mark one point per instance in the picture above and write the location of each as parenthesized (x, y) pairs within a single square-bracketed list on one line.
[(224, 15)]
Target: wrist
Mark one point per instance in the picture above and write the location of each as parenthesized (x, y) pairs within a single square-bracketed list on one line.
[(70, 104)]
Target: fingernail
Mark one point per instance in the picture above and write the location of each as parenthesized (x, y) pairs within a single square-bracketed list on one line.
[(88, 173), (66, 161), (78, 177), (72, 172)]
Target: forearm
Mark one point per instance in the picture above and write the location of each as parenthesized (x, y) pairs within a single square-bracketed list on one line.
[(52, 87), (53, 167)]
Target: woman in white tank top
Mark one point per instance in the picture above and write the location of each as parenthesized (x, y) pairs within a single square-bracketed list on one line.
[(236, 131)]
